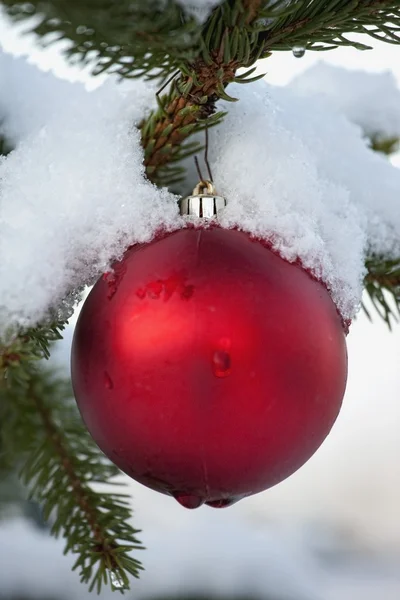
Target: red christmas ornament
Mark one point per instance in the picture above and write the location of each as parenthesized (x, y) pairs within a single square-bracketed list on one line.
[(207, 367)]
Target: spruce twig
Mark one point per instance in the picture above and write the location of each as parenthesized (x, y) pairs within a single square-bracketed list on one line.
[(153, 38), (60, 465), (59, 462), (24, 347), (321, 25), (190, 104), (382, 284), (185, 110), (236, 35)]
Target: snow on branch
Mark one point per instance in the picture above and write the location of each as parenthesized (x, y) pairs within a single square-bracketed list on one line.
[(372, 101), (73, 194)]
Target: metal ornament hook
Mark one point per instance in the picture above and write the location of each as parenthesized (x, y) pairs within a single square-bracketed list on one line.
[(205, 188), (204, 203)]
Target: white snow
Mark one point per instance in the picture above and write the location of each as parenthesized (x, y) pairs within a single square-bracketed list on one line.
[(371, 100), (73, 194), (29, 97), (300, 174)]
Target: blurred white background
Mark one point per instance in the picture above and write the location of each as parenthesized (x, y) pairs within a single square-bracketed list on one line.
[(330, 532)]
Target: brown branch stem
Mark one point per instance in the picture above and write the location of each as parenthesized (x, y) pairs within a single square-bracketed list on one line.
[(188, 109), (184, 110)]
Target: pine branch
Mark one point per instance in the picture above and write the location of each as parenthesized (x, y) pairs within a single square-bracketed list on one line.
[(19, 349), (61, 465), (40, 427), (154, 38), (382, 281), (132, 38), (382, 284), (190, 104), (181, 113), (322, 25)]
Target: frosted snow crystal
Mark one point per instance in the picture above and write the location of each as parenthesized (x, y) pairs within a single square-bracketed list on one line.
[(73, 194), (370, 100)]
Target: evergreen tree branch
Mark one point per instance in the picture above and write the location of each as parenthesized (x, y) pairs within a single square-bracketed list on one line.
[(180, 114), (154, 38), (382, 284), (319, 25), (61, 465), (132, 38), (382, 280), (17, 350), (190, 104), (40, 429)]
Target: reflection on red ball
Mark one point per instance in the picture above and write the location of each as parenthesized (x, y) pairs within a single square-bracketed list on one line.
[(207, 367)]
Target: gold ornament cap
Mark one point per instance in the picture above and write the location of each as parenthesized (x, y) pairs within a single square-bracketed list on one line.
[(204, 203)]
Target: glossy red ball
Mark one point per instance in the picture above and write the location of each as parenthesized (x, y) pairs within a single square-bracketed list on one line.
[(207, 367)]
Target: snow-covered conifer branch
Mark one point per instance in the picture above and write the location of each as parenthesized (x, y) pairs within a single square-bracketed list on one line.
[(130, 37), (227, 43), (154, 38), (80, 164), (157, 38), (327, 24)]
